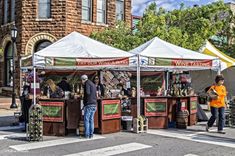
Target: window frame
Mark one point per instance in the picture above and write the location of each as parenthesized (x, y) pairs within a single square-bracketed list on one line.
[(48, 11), (39, 43), (7, 67), (103, 11), (13, 10), (123, 13), (5, 12), (90, 10)]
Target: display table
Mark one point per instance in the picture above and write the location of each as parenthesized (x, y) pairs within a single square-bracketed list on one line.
[(109, 115), (155, 109), (192, 107), (60, 115), (162, 110)]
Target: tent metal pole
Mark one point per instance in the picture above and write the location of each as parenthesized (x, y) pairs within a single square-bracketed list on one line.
[(167, 82), (138, 85), (34, 85), (219, 69), (34, 82)]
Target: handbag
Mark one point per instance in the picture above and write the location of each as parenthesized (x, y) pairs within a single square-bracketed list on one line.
[(212, 94)]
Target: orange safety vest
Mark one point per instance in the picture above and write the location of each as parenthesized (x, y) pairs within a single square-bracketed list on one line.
[(220, 101)]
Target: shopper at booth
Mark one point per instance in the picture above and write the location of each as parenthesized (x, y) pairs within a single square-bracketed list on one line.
[(217, 93), (90, 102), (54, 91), (64, 85), (99, 86)]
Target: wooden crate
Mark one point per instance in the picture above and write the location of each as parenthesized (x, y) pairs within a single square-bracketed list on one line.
[(110, 126), (54, 129), (192, 119), (157, 122)]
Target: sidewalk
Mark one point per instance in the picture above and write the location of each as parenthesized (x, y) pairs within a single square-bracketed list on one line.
[(6, 114)]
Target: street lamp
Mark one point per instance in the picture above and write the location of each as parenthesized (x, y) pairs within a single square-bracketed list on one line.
[(13, 39)]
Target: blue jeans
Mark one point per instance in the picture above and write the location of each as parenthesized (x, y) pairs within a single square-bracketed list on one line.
[(89, 112), (214, 113)]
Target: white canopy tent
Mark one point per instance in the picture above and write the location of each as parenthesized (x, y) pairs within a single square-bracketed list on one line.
[(77, 52), (158, 54), (162, 55)]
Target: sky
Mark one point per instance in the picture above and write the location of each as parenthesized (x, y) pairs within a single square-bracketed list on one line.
[(138, 6)]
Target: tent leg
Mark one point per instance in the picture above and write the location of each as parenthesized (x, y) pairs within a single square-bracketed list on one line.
[(138, 86), (34, 85)]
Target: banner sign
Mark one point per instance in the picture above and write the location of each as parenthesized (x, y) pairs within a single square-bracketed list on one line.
[(111, 109), (52, 111), (183, 103), (155, 107), (179, 62), (27, 62), (193, 105), (86, 62)]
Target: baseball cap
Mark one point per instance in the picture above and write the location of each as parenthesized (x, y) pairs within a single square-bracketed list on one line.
[(84, 77)]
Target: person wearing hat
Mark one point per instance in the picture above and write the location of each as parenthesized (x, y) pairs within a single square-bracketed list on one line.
[(217, 104), (90, 102)]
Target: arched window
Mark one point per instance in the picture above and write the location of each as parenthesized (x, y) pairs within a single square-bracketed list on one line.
[(8, 64), (41, 45)]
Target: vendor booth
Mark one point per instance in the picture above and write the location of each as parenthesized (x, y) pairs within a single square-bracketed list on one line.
[(177, 95), (82, 55)]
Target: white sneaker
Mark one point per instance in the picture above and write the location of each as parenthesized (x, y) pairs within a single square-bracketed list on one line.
[(221, 132), (208, 129)]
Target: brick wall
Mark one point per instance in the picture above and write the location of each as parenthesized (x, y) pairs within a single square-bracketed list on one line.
[(65, 18)]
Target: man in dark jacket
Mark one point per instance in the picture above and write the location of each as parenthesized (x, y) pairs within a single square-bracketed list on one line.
[(89, 100), (64, 85)]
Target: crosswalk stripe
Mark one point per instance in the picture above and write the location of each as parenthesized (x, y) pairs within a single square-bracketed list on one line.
[(191, 155), (12, 136), (197, 138), (113, 150), (10, 128), (37, 145)]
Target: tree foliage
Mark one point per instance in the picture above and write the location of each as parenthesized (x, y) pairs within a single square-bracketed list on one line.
[(120, 37), (186, 27)]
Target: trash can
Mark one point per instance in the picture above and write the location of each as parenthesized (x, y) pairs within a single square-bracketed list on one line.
[(127, 123)]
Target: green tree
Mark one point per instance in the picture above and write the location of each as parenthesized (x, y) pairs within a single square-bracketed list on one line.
[(120, 36), (186, 27)]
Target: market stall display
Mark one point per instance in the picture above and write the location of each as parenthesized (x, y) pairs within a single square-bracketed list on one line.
[(159, 55), (83, 54), (110, 115)]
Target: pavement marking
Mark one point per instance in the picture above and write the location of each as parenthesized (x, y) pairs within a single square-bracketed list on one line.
[(12, 136), (50, 143), (113, 150), (10, 128), (197, 137), (191, 155)]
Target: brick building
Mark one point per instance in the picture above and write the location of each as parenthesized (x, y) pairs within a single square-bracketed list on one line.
[(42, 22)]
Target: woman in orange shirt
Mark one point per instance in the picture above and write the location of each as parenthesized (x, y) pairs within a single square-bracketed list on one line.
[(218, 105)]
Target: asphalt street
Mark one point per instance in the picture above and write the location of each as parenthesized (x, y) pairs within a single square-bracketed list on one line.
[(169, 142)]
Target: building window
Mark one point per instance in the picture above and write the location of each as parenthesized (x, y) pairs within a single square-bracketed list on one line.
[(5, 19), (41, 45), (101, 11), (8, 65), (86, 10), (44, 9), (119, 9), (12, 10)]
